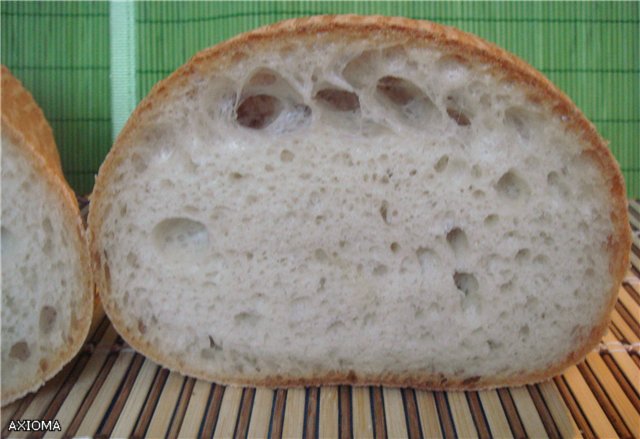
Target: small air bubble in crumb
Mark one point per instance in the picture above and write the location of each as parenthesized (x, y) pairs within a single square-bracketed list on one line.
[(441, 164), (384, 211), (286, 156), (380, 270), (395, 247)]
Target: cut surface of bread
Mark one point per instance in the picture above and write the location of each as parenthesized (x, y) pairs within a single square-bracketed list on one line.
[(362, 200), (47, 289)]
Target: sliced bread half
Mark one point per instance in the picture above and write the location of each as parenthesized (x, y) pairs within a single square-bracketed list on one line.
[(361, 200)]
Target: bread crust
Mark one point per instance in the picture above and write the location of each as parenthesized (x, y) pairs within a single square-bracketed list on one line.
[(383, 31), (25, 125)]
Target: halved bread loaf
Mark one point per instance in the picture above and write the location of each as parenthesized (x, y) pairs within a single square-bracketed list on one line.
[(364, 200), (47, 288)]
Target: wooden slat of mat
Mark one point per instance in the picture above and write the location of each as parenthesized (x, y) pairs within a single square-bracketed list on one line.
[(632, 282), (477, 412), (394, 413), (328, 416), (277, 413), (345, 423), (100, 404), (623, 327), (635, 261), (7, 412), (444, 415), (142, 423), (634, 222), (195, 409), (630, 321), (623, 360), (528, 414), (545, 415), (588, 403), (576, 413), (23, 403), (115, 409), (312, 412), (165, 406), (603, 401), (558, 409), (212, 410), (294, 413), (617, 396), (631, 393), (244, 414), (411, 412), (428, 411), (261, 413), (181, 408), (132, 407), (512, 413), (632, 307), (361, 415), (461, 414), (229, 410), (377, 412), (82, 385), (496, 418)]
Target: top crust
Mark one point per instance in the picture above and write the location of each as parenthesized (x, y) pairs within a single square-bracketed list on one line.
[(23, 122), (26, 122), (381, 31)]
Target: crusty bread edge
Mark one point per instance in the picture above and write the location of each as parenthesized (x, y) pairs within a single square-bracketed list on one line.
[(31, 132), (391, 31)]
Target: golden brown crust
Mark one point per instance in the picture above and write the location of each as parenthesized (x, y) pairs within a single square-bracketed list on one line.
[(383, 31), (24, 124)]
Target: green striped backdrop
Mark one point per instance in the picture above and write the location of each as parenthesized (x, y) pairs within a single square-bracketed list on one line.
[(61, 51)]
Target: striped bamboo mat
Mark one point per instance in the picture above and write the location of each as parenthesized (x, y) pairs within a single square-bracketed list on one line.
[(111, 391)]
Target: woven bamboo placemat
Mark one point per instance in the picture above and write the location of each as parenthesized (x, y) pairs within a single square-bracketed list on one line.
[(109, 390)]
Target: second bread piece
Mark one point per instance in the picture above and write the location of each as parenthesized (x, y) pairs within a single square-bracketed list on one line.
[(359, 200), (47, 288)]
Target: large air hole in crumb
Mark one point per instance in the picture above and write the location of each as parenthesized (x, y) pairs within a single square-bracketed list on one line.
[(406, 96), (555, 183), (20, 351), (48, 315), (466, 282), (457, 239), (512, 187), (517, 119), (338, 100), (258, 111), (180, 237), (456, 113), (458, 117)]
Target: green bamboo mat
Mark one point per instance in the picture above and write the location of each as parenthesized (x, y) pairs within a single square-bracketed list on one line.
[(61, 51)]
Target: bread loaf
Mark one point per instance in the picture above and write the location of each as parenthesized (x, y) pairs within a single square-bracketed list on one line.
[(47, 288), (359, 200)]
